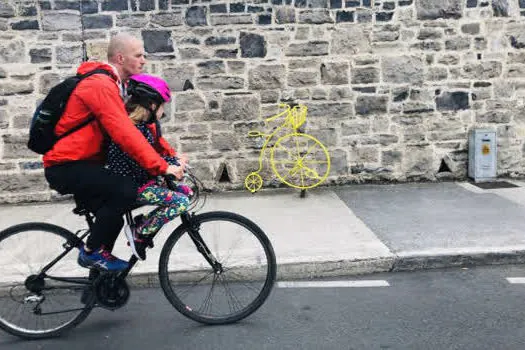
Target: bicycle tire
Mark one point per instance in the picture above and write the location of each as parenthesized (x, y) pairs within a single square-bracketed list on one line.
[(211, 217), (26, 334)]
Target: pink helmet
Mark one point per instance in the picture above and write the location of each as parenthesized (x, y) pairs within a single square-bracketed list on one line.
[(149, 86)]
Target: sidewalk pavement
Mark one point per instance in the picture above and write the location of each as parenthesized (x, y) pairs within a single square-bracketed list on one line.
[(345, 230)]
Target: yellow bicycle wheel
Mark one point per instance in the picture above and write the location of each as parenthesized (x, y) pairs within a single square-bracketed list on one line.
[(253, 182), (300, 160)]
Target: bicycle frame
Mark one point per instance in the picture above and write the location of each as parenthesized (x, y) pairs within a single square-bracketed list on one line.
[(187, 222), (34, 284), (268, 137)]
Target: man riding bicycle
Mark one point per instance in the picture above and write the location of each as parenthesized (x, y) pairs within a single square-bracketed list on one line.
[(75, 164)]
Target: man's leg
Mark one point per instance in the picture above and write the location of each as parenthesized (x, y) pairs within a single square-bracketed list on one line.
[(107, 195)]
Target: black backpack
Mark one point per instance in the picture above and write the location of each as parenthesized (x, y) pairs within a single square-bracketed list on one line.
[(42, 135)]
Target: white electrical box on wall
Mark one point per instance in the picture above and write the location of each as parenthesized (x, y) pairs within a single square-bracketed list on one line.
[(482, 155)]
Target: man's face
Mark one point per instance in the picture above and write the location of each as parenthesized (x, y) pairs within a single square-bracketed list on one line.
[(133, 59)]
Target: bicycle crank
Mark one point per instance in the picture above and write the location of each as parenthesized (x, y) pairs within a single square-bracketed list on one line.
[(112, 292)]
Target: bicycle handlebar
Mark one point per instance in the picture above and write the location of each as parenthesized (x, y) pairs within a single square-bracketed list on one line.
[(281, 105)]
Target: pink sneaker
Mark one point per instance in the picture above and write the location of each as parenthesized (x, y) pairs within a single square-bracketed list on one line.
[(185, 189)]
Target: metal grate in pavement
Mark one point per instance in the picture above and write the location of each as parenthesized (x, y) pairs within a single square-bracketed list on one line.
[(494, 185)]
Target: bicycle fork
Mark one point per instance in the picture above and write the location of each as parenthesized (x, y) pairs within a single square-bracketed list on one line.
[(193, 232)]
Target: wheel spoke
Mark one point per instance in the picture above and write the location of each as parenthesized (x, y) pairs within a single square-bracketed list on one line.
[(286, 150), (315, 161), (197, 282), (233, 298), (308, 151), (207, 302), (285, 162), (239, 280), (311, 171), (297, 147)]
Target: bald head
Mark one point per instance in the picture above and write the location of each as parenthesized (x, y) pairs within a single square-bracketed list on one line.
[(120, 43), (126, 53)]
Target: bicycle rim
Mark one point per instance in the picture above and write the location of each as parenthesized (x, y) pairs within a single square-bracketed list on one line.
[(248, 262), (24, 250), (300, 161)]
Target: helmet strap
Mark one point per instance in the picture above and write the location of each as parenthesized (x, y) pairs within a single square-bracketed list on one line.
[(152, 114)]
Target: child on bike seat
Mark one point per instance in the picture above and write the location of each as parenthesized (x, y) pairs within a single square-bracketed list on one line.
[(147, 95)]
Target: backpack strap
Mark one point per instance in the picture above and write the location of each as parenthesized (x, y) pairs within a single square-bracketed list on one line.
[(91, 118)]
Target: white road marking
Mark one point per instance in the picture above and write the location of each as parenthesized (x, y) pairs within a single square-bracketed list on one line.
[(516, 280), (332, 284)]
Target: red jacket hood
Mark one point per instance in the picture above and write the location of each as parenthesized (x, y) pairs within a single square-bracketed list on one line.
[(87, 67)]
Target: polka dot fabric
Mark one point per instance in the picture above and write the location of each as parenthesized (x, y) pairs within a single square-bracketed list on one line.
[(121, 163)]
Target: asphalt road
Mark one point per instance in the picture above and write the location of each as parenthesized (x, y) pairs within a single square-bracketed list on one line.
[(442, 309)]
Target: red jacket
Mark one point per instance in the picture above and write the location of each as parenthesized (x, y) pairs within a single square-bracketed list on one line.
[(99, 96)]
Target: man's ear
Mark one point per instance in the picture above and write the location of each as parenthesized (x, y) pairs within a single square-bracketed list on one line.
[(119, 57)]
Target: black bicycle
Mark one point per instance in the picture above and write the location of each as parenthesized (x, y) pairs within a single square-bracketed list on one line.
[(215, 268)]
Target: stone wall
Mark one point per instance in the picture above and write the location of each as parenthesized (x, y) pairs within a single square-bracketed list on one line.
[(392, 87)]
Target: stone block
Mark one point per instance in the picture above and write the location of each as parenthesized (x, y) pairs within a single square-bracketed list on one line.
[(40, 55), (365, 75), (265, 77), (312, 48), (98, 22), (12, 51), (366, 105), (157, 41), (334, 73), (300, 78), (196, 16), (168, 19), (69, 54), (220, 82), (350, 41), (55, 21), (403, 69), (241, 107), (435, 9), (316, 16), (252, 45), (452, 101)]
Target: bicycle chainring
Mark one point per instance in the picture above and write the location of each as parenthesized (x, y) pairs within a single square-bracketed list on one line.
[(112, 292)]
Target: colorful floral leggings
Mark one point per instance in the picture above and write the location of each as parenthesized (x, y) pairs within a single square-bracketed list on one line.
[(170, 205)]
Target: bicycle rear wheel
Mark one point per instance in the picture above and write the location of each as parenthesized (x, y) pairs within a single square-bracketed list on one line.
[(248, 269), (40, 307)]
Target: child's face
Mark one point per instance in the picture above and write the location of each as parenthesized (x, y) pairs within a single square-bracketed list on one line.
[(160, 111)]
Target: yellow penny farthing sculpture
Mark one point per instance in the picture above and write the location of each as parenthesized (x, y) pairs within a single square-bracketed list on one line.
[(299, 160)]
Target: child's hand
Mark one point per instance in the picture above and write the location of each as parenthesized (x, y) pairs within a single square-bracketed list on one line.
[(176, 171), (183, 159)]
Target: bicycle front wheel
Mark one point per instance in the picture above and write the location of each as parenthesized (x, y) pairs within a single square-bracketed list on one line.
[(247, 269), (35, 305)]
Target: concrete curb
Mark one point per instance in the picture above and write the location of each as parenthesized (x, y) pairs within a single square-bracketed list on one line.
[(299, 270), (406, 261), (410, 261), (414, 261)]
